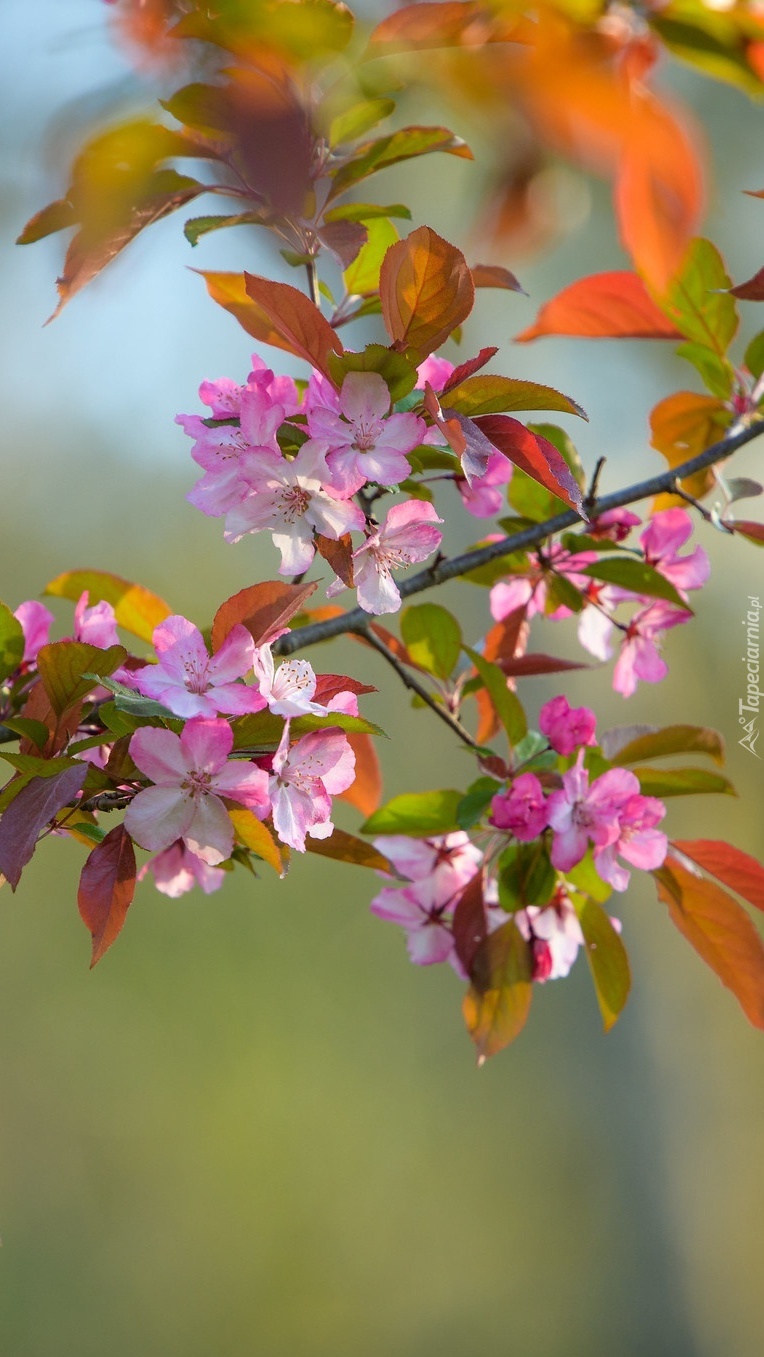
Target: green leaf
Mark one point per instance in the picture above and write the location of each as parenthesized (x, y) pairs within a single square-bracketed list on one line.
[(498, 1001), (132, 703), (586, 879), (531, 500), (526, 876), (754, 355), (663, 782), (486, 394), (506, 703), (717, 373), (406, 144), (362, 276), (121, 722), (562, 593), (396, 370), (476, 801), (708, 41), (352, 725), (32, 730), (432, 637), (70, 669), (354, 122), (635, 575), (697, 302), (196, 227), (419, 814), (631, 744), (607, 959), (366, 212), (11, 642)]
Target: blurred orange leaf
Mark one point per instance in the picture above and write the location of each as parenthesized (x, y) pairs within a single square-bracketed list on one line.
[(365, 793), (613, 305), (681, 426), (426, 291)]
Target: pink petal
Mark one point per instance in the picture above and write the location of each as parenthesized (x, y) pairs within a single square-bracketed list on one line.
[(161, 756), (207, 744), (210, 832), (158, 816)]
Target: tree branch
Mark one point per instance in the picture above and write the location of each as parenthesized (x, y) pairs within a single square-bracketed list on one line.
[(441, 571), (416, 687)]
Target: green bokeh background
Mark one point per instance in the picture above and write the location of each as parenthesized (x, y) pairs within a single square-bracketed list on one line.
[(255, 1128)]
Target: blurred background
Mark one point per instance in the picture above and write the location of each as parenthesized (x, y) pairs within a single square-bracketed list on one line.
[(256, 1128)]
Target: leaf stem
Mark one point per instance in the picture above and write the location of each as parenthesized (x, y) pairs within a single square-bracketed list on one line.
[(414, 685)]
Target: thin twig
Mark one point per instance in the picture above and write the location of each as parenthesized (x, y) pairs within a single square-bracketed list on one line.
[(315, 295), (356, 619), (416, 687)]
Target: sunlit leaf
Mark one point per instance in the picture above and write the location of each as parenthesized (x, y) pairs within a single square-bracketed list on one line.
[(614, 305), (738, 870), (106, 889), (197, 227), (360, 118), (535, 455), (637, 576), (433, 638), (488, 394), (720, 931), (256, 836), (362, 276), (300, 325), (264, 609), (419, 814), (426, 291), (698, 301), (135, 608), (630, 744), (344, 847), (399, 374), (506, 703), (407, 143), (682, 426)]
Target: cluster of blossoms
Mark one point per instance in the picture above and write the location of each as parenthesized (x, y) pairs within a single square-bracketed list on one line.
[(182, 816), (338, 444), (640, 636), (568, 812)]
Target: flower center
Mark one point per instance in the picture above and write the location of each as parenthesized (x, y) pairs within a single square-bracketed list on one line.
[(198, 783), (366, 435), (294, 502)]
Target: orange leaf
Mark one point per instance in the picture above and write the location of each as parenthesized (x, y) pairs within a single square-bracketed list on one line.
[(365, 793), (720, 931), (106, 889), (426, 291), (339, 555), (135, 608), (612, 305), (262, 608), (497, 1004), (683, 425), (728, 864), (296, 319), (255, 835)]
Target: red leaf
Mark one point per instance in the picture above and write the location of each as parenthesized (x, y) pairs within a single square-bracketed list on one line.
[(426, 291), (506, 638), (107, 887), (612, 305), (262, 608), (525, 666), (720, 931), (365, 792), (728, 864), (29, 812), (469, 368), (493, 275), (470, 926), (339, 555), (747, 528), (752, 290), (534, 455), (329, 685)]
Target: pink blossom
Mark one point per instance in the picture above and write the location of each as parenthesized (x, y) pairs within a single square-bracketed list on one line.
[(189, 681), (565, 727), (304, 779), (425, 913), (434, 370), (291, 499), (36, 621), (97, 626), (366, 442), (483, 497), (290, 689), (451, 860), (639, 657), (579, 813), (191, 772), (177, 870), (661, 541), (223, 451), (555, 936), (638, 841), (407, 536), (522, 809), (614, 525), (529, 591)]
